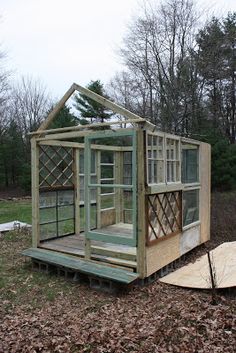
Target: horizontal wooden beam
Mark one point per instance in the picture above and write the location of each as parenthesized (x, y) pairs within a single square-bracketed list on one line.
[(87, 126), (92, 95), (81, 145), (99, 250), (75, 134)]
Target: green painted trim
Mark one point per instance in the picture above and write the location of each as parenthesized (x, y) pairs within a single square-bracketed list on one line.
[(134, 179), (93, 235), (121, 186), (88, 267), (113, 133)]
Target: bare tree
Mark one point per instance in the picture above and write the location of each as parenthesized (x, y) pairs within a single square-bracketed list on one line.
[(156, 49), (4, 94), (130, 91), (30, 104)]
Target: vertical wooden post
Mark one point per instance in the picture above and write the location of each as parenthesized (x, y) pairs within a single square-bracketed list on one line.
[(77, 190), (87, 198), (141, 222), (35, 192), (98, 172), (117, 190), (121, 191)]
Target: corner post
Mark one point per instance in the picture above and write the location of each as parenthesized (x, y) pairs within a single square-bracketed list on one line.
[(77, 190), (141, 222), (35, 192)]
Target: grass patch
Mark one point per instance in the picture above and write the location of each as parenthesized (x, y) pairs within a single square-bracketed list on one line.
[(19, 210)]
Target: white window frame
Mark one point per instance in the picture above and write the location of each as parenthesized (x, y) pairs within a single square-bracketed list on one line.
[(158, 135), (176, 160), (192, 186)]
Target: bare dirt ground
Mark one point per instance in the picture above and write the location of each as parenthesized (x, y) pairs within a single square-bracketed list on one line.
[(42, 313)]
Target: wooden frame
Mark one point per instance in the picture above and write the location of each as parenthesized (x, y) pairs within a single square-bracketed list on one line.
[(136, 253), (96, 235)]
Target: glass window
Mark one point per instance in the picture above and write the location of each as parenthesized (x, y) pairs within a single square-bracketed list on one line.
[(56, 213), (190, 206), (107, 201), (172, 160), (81, 162), (155, 156), (127, 168), (190, 164)]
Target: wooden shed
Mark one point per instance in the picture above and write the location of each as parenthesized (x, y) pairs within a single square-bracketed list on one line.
[(117, 200)]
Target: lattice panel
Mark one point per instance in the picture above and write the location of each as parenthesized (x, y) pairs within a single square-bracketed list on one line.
[(55, 166), (164, 215)]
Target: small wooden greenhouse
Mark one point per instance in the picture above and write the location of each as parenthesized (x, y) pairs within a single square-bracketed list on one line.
[(119, 200)]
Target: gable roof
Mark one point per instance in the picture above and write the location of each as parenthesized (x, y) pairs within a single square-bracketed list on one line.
[(90, 94)]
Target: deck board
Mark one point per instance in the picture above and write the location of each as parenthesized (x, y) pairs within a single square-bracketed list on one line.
[(72, 243), (83, 266)]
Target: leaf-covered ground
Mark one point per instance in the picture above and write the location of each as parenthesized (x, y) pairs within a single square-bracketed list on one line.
[(43, 313)]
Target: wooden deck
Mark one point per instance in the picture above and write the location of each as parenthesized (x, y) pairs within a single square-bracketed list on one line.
[(120, 255), (86, 267)]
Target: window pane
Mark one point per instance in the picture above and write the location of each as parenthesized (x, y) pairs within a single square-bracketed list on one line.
[(81, 161), (127, 199), (65, 212), (47, 199), (47, 215), (107, 171), (107, 201), (48, 231), (190, 206), (107, 156), (107, 190), (66, 227), (127, 168), (65, 197), (189, 164), (93, 162), (160, 171)]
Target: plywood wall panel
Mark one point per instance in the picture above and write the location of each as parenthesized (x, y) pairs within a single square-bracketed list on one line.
[(162, 253), (205, 192)]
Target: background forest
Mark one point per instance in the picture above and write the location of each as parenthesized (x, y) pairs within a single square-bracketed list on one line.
[(178, 73)]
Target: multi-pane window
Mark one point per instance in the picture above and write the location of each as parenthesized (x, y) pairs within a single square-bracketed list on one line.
[(190, 163), (163, 159), (56, 212), (190, 175), (190, 206), (155, 159), (107, 177), (172, 160)]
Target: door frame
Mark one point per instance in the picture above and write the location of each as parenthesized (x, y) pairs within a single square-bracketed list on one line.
[(93, 234)]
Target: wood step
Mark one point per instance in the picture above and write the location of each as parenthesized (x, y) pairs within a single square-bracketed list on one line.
[(83, 266)]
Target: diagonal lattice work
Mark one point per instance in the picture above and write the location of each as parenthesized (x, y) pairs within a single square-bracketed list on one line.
[(164, 215), (55, 166)]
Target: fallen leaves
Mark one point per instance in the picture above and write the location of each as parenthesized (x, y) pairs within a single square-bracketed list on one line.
[(43, 314)]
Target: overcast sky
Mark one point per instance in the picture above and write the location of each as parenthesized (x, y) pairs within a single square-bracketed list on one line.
[(62, 42)]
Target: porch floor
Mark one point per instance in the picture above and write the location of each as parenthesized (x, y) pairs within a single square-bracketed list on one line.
[(74, 244)]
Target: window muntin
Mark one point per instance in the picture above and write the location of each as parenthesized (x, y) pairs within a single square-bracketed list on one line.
[(155, 159), (163, 159), (172, 160), (56, 213), (190, 163), (190, 206)]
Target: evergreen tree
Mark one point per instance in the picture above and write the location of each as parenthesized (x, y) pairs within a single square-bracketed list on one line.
[(91, 111), (217, 66), (64, 119)]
